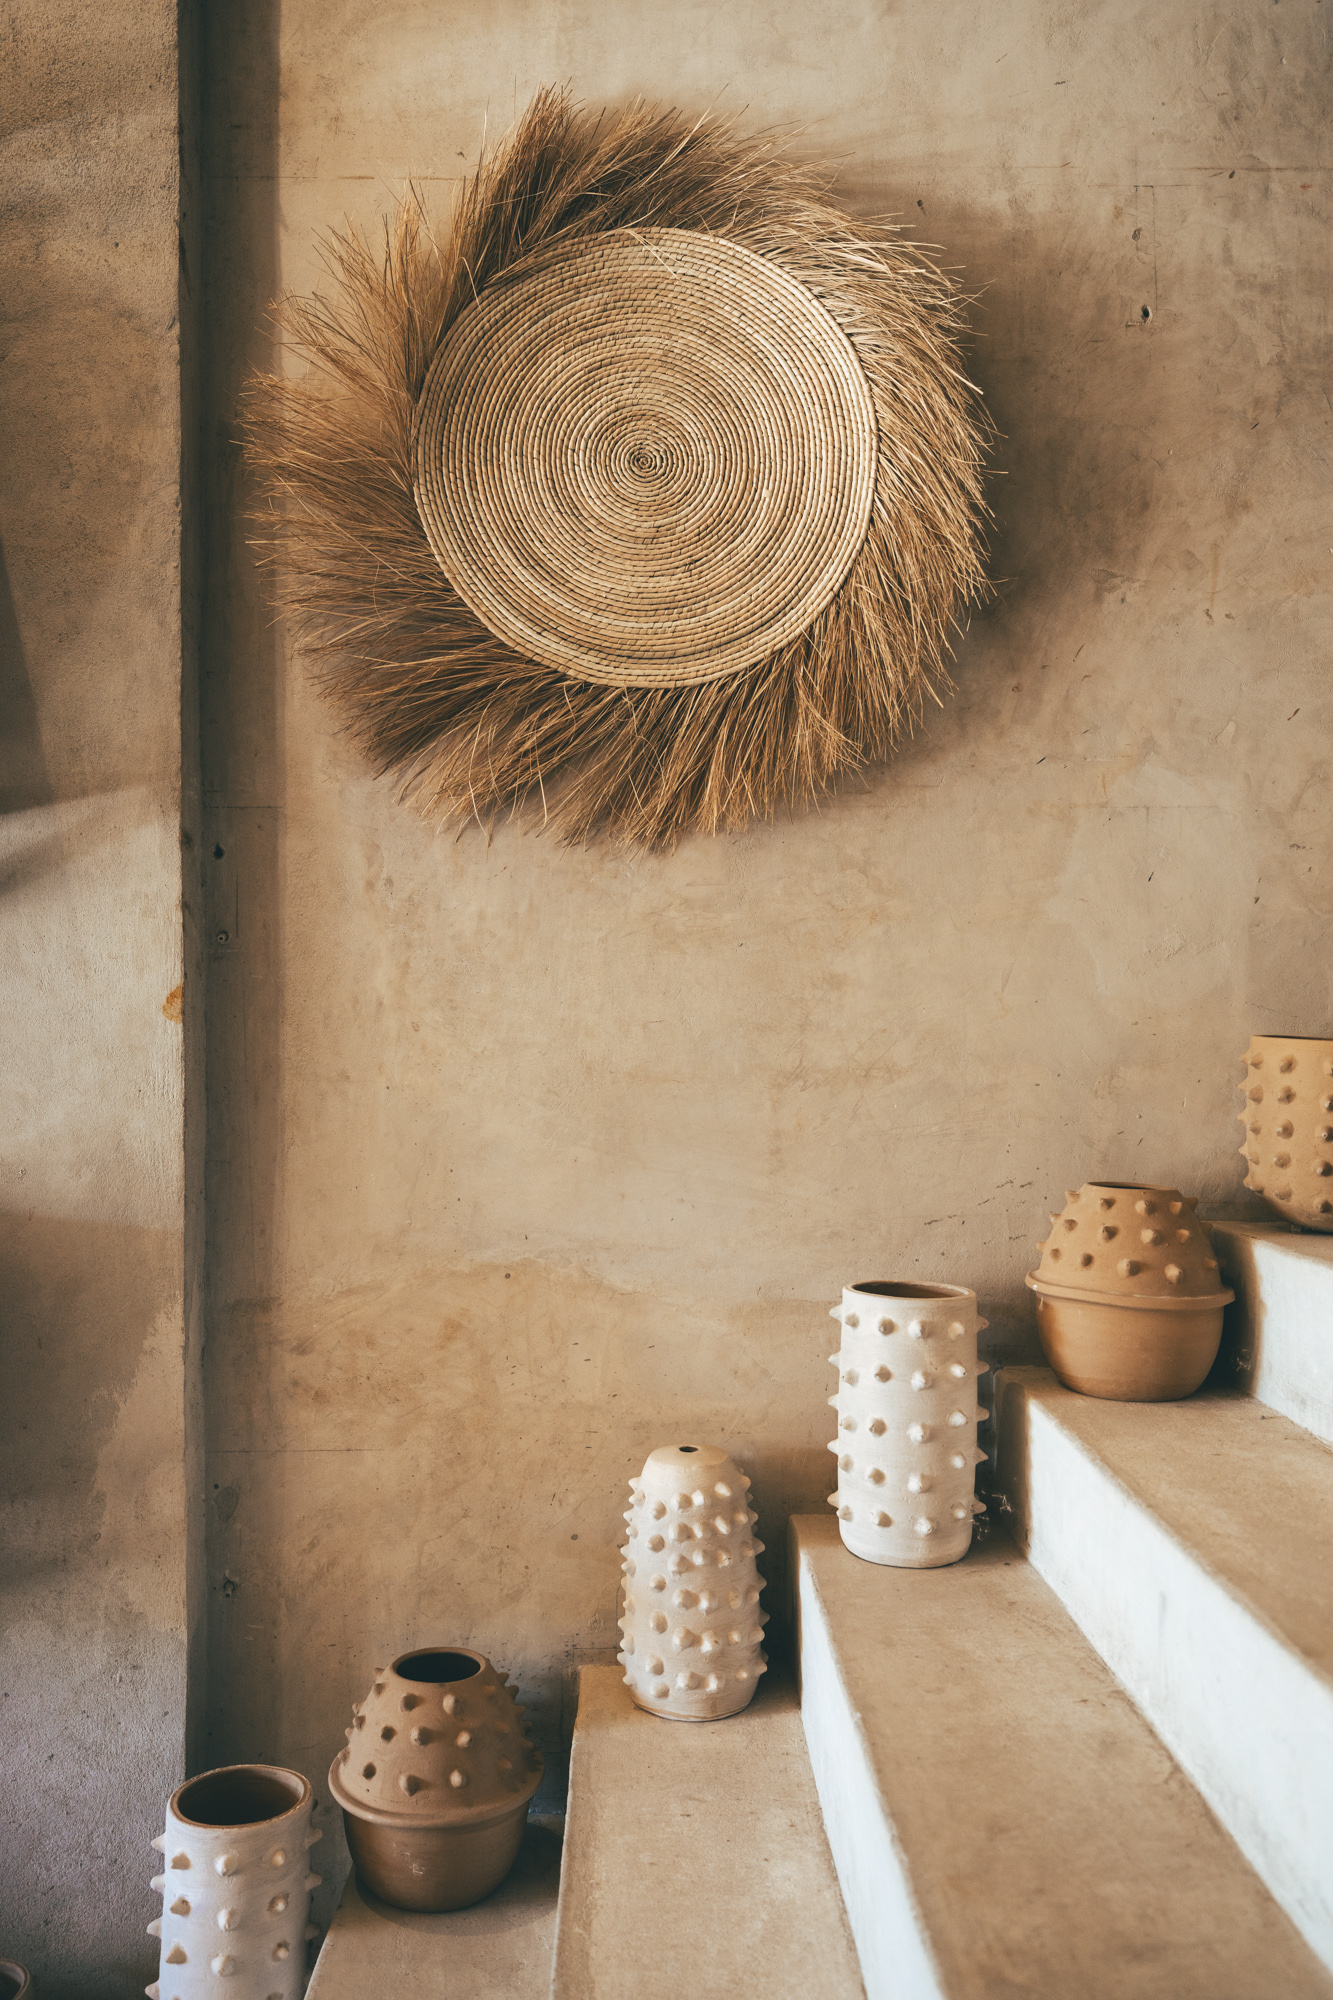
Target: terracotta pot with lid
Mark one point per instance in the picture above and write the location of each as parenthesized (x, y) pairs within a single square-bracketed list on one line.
[(1129, 1299), (435, 1781)]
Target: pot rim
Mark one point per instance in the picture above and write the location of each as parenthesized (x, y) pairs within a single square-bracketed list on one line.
[(423, 1652), (303, 1803), (427, 1822), (909, 1292), (13, 1970), (1137, 1302)]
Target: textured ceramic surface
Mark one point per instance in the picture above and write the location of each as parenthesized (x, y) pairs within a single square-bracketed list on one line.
[(692, 1624), (907, 1422), (1129, 1295), (235, 1885), (1128, 1242), (435, 1780), (1288, 1120)]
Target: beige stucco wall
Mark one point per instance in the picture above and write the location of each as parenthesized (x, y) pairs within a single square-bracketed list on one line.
[(523, 1161), (98, 1409)]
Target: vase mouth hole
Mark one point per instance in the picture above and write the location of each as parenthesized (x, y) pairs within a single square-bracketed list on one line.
[(435, 1665), (1133, 1187), (244, 1795), (891, 1288), (687, 1447)]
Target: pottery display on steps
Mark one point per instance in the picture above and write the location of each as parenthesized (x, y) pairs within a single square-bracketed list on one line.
[(1288, 1120), (1129, 1298), (692, 1624), (235, 1885), (907, 1422), (435, 1780)]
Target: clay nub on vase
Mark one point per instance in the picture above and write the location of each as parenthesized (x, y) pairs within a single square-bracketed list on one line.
[(435, 1781), (235, 1884), (1129, 1297), (1288, 1121), (692, 1624), (906, 1447)]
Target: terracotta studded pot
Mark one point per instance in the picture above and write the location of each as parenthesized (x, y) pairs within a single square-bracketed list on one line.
[(435, 1781), (1288, 1120), (1129, 1300)]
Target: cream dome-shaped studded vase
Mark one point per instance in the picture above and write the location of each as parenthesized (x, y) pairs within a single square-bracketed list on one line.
[(907, 1422), (692, 1624), (235, 1885)]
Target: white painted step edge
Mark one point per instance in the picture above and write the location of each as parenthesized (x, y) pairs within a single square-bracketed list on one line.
[(1245, 1717), (1278, 1343), (897, 1962)]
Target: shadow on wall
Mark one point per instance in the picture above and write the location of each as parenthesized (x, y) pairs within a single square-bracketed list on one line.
[(87, 1313), (24, 780)]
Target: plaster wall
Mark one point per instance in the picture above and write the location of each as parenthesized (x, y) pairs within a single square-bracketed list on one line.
[(523, 1161), (101, 1463)]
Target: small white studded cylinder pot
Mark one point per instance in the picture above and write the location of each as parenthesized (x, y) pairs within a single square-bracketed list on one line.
[(907, 1422), (692, 1624), (235, 1885)]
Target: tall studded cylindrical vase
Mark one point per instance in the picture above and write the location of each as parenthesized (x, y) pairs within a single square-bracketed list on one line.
[(692, 1624), (907, 1422), (235, 1885)]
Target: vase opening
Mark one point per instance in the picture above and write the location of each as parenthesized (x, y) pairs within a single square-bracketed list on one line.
[(889, 1288), (433, 1667), (687, 1447), (239, 1797), (1132, 1187)]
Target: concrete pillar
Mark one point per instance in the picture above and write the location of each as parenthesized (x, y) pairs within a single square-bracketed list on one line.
[(100, 1492)]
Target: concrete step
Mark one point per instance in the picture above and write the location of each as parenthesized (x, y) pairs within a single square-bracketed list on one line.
[(696, 1866), (500, 1949), (1004, 1822), (1278, 1340), (1193, 1544)]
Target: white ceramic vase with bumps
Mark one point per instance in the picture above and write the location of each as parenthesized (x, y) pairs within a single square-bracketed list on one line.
[(692, 1624), (907, 1422), (235, 1885)]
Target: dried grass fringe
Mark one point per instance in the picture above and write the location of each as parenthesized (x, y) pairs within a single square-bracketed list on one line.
[(469, 726)]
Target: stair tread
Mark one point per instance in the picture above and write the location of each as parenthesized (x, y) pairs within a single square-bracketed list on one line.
[(500, 1949), (695, 1857), (1247, 1492), (1052, 1845)]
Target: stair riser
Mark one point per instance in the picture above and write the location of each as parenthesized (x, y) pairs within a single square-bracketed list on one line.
[(1248, 1721), (896, 1962), (1278, 1342)]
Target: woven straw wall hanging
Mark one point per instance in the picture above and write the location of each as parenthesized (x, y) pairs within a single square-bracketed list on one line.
[(649, 495)]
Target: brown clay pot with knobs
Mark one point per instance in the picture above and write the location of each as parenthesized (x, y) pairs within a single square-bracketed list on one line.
[(1129, 1299), (435, 1781)]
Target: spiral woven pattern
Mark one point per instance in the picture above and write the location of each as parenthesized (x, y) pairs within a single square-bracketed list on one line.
[(646, 496), (649, 460)]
